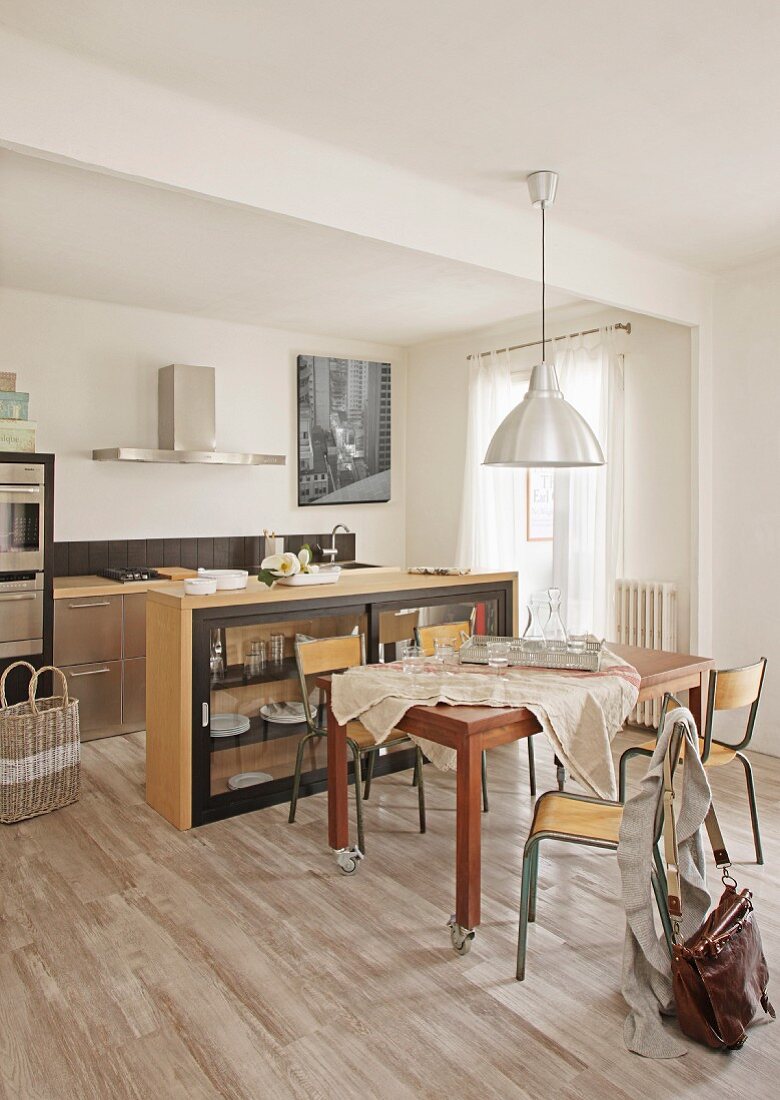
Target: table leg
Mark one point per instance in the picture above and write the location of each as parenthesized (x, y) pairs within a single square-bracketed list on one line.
[(338, 796), (697, 701), (468, 841)]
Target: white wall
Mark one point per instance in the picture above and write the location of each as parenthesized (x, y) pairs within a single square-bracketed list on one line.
[(746, 514), (91, 370), (658, 448)]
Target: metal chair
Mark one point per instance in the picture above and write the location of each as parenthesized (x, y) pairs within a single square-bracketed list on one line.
[(314, 657), (729, 689), (580, 819), (426, 636)]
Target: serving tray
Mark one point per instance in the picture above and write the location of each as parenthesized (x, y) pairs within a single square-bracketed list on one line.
[(474, 651)]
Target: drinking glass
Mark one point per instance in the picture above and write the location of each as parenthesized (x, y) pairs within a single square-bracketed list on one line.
[(577, 642), (498, 656), (444, 650), (413, 658), (277, 648)]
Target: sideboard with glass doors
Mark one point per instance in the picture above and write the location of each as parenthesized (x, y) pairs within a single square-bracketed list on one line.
[(247, 712)]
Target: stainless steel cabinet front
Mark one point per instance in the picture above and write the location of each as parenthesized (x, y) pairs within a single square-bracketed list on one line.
[(98, 688), (87, 629), (135, 625), (134, 695)]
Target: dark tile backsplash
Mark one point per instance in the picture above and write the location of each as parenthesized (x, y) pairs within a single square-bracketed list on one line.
[(73, 559)]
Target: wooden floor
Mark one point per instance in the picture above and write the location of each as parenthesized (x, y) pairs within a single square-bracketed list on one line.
[(234, 961)]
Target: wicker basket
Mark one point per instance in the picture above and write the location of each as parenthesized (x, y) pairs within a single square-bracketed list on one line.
[(39, 751)]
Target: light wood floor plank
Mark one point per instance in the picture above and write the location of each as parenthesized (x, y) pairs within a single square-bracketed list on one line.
[(234, 961)]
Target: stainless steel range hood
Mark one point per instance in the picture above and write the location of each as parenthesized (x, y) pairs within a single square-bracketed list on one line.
[(186, 424)]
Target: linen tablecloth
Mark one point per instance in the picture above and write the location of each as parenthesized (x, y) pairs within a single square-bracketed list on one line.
[(579, 712)]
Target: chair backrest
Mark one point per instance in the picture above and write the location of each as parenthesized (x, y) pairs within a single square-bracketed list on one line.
[(427, 635), (316, 655), (734, 689), (397, 626)]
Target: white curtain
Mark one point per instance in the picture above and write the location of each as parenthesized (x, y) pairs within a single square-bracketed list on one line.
[(491, 520), (588, 533)]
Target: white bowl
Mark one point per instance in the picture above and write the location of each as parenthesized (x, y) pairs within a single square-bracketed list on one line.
[(200, 586), (226, 579)]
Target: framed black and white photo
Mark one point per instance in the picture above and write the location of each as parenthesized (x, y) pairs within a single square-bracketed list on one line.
[(344, 426)]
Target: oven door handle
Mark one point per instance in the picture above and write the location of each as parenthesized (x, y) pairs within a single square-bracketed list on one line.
[(6, 596), (20, 488)]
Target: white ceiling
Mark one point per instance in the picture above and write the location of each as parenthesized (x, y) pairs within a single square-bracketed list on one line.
[(66, 230), (661, 117)]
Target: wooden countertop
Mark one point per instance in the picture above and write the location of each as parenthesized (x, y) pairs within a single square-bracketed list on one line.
[(92, 585), (355, 582)]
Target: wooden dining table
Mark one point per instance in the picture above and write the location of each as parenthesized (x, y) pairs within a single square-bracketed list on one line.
[(469, 730)]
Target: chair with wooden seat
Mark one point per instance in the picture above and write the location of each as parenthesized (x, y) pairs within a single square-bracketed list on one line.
[(729, 689), (319, 655), (594, 822), (458, 633)]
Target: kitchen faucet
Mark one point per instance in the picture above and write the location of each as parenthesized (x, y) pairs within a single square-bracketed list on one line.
[(331, 551)]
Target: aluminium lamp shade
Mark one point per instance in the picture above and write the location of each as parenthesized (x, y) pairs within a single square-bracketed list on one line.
[(544, 429)]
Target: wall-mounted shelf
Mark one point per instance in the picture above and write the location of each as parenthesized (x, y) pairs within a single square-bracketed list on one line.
[(210, 458)]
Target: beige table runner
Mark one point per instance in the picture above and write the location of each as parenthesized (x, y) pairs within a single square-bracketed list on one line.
[(579, 712)]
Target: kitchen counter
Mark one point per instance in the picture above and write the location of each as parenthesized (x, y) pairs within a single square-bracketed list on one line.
[(180, 692), (92, 585)]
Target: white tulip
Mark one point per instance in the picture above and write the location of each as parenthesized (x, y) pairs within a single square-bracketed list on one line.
[(273, 563), (289, 565), (304, 556)]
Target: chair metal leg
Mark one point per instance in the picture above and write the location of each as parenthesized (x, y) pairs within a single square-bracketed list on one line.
[(418, 767), (636, 750), (369, 775), (531, 766), (525, 897), (751, 789), (534, 881), (298, 769), (358, 795), (560, 774), (485, 806)]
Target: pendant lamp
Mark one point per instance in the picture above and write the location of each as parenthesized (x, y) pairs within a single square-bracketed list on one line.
[(544, 429)]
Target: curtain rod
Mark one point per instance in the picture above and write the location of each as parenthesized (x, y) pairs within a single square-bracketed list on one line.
[(625, 326)]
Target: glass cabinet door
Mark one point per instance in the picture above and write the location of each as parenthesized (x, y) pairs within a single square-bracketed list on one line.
[(256, 713), (421, 624)]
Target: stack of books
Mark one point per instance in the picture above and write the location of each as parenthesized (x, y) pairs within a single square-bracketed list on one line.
[(17, 433)]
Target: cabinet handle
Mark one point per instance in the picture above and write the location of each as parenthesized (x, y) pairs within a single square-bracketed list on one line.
[(102, 603), (90, 672), (204, 715)]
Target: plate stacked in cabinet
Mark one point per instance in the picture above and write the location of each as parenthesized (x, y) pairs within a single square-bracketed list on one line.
[(17, 433)]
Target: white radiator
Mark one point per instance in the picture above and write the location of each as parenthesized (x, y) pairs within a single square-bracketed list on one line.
[(646, 613)]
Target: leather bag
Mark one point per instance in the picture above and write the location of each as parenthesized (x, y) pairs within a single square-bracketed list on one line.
[(719, 974)]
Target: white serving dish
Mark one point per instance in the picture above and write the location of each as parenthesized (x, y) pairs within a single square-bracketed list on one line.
[(324, 576), (200, 586), (227, 580)]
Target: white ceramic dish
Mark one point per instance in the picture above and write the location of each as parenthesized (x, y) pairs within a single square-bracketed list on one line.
[(324, 576), (248, 779), (200, 586), (229, 725), (292, 714), (227, 580)]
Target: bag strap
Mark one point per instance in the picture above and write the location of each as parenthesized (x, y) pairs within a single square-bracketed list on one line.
[(678, 745)]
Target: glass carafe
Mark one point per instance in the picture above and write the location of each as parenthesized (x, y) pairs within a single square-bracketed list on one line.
[(554, 630), (533, 635)]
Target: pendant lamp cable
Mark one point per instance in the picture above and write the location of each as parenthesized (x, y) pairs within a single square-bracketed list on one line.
[(544, 334)]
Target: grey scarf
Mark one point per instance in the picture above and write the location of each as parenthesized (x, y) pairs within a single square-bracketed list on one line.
[(647, 978)]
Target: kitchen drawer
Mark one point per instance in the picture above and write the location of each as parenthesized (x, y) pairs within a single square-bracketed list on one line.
[(134, 695), (135, 625), (87, 629), (98, 688)]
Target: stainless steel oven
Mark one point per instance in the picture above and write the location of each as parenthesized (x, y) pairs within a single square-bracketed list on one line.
[(21, 614), (21, 517)]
